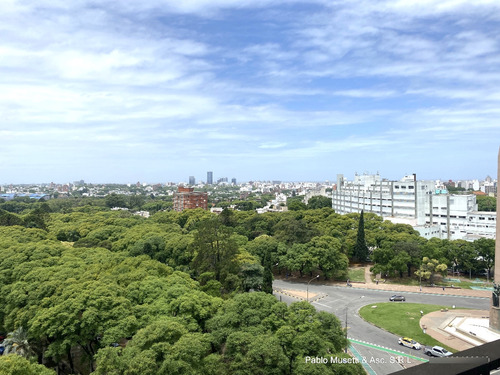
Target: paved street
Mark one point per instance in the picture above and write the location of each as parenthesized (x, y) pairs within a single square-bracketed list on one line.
[(369, 341)]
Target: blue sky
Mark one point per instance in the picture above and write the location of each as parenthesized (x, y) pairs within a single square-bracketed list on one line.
[(158, 90)]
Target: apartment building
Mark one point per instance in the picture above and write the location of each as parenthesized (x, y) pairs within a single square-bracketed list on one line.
[(187, 198)]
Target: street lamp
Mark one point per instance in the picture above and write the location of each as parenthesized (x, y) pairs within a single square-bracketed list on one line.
[(307, 289)]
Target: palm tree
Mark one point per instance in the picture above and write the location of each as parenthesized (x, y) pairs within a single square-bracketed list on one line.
[(17, 342)]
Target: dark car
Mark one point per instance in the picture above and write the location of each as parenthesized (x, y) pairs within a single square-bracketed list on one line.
[(397, 298)]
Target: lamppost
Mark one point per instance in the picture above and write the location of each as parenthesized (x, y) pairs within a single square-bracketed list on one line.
[(307, 289), (346, 309)]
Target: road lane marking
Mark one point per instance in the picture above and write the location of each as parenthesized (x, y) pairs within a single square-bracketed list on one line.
[(388, 350), (367, 367), (321, 304)]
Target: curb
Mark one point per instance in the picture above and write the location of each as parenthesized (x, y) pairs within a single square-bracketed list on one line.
[(312, 299)]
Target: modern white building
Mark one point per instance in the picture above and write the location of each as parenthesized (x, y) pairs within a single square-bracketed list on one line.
[(432, 212)]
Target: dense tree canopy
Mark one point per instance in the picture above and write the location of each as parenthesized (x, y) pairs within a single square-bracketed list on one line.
[(95, 290)]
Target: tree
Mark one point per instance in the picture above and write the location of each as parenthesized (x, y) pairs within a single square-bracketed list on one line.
[(36, 219), (267, 281), (360, 252), (485, 250), (329, 258), (296, 205), (214, 249), (291, 230), (17, 342), (460, 253), (486, 203), (116, 200), (8, 219), (136, 202), (429, 268), (319, 201), (227, 217), (16, 365)]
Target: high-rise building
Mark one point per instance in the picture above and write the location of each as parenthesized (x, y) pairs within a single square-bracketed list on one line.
[(210, 178), (233, 181), (192, 181), (187, 198)]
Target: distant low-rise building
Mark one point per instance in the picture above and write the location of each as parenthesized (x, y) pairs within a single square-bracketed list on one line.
[(187, 198)]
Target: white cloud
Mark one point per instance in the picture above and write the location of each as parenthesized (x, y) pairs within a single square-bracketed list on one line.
[(292, 81)]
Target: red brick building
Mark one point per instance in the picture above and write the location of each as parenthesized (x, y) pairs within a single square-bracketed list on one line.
[(187, 198)]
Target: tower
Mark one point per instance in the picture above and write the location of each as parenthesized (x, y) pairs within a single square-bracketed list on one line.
[(210, 178)]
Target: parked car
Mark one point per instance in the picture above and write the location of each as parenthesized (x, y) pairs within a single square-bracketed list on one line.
[(397, 298), (409, 343), (436, 351)]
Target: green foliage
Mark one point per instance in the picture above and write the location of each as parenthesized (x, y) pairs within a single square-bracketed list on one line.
[(429, 268), (214, 249), (486, 203), (17, 343), (8, 219), (90, 277), (257, 334), (485, 250), (295, 204), (360, 251), (36, 219), (319, 201), (292, 230), (116, 200), (15, 365), (267, 281)]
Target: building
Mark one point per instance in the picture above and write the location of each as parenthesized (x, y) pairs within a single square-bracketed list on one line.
[(233, 181), (210, 178), (432, 212), (192, 180), (187, 198)]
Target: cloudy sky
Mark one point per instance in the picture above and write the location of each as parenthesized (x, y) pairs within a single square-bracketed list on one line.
[(158, 90)]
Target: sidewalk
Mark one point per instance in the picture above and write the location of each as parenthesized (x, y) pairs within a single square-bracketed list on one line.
[(425, 289), (436, 322), (369, 284)]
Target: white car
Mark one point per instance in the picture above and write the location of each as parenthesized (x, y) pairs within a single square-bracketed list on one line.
[(409, 343)]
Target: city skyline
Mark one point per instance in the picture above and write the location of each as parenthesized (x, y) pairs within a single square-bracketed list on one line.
[(156, 91)]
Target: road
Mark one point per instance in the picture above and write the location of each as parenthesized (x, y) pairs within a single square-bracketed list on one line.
[(377, 346)]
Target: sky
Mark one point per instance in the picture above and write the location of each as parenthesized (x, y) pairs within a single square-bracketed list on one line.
[(160, 90)]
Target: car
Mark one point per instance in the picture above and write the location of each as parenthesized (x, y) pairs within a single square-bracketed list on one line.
[(409, 343), (397, 298), (437, 351)]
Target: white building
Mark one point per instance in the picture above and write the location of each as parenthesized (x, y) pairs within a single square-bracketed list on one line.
[(433, 212)]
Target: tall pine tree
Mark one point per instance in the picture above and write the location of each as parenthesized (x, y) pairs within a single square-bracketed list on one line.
[(267, 282), (360, 252)]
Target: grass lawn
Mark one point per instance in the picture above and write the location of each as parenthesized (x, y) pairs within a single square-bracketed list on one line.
[(402, 319), (464, 283), (356, 274)]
